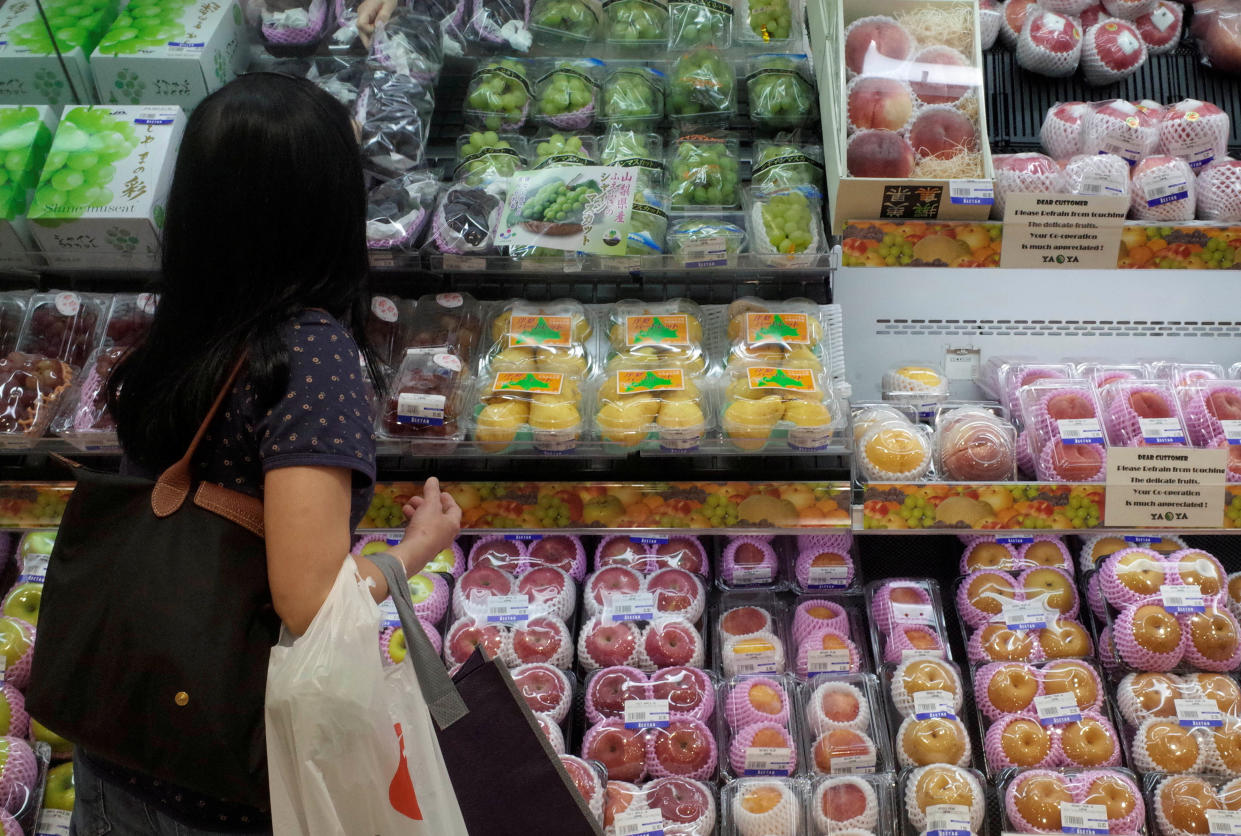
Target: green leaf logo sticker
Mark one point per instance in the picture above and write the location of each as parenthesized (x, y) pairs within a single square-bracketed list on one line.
[(539, 330), (654, 380), (785, 329), (669, 329), (539, 383), (767, 377)]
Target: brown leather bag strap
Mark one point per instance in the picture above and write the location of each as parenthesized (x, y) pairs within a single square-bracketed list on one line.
[(173, 485)]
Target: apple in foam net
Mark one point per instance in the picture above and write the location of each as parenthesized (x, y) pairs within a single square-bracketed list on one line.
[(542, 586), (462, 641), (675, 590), (1055, 33), (681, 553), (1118, 45), (58, 792), (484, 582), (61, 748), (613, 580), (622, 752), (542, 686), (620, 552), (36, 542), (442, 563), (539, 641), (611, 689), (499, 554), (681, 687), (584, 778), (679, 800), (671, 643), (23, 602), (556, 551), (682, 748), (611, 644)]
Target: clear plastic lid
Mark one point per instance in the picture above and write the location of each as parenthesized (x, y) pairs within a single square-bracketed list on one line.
[(638, 149), (427, 396), (567, 91), (524, 406), (129, 319), (1049, 801), (761, 725), (787, 404), (943, 797), (1101, 374), (486, 156), (894, 451), (13, 305), (660, 333), (636, 24), (1212, 412), (775, 24), (781, 88), (550, 337), (698, 23), (1137, 413), (1015, 375), (633, 96), (825, 562), (648, 225), (31, 386), (1177, 723), (853, 803), (776, 332), (498, 95), (1191, 798), (706, 239), (1183, 374), (451, 320), (829, 635), (764, 805), (1065, 427), (915, 383), (906, 620), (673, 805), (64, 324), (465, 220), (702, 85), (642, 402), (387, 323), (552, 148), (704, 172), (845, 728), (560, 22), (785, 165), (973, 444)]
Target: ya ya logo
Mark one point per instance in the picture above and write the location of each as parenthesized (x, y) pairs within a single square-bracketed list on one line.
[(1060, 259)]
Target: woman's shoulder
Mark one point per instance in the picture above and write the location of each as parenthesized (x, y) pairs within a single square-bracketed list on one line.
[(315, 335)]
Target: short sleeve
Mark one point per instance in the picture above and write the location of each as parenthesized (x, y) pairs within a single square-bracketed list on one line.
[(325, 419)]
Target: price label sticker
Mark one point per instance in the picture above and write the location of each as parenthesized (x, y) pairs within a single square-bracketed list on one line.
[(1014, 539), (1057, 709), (852, 764), (34, 569), (649, 541), (933, 703), (1080, 430), (1182, 598), (147, 302), (1224, 822), (948, 820), (420, 410), (508, 609), (752, 575), (962, 363), (908, 653), (383, 308), (1198, 714), (465, 263), (1162, 430), (768, 760), (1024, 615), (971, 192), (450, 300), (1232, 431), (1142, 539), (630, 606), (639, 823), (647, 714), (68, 303), (913, 614), (756, 660), (53, 823), (828, 577), (1083, 819), (705, 252), (1165, 185), (828, 661), (387, 614)]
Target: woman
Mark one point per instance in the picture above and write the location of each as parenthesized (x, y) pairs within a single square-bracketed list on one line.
[(264, 254)]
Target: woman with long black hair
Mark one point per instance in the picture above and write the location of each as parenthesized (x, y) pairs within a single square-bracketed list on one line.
[(264, 258)]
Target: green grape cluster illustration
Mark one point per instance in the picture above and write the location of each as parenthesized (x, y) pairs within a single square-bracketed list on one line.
[(50, 86), (128, 87), (82, 163), (24, 143), (121, 239), (74, 23), (557, 201), (145, 24)]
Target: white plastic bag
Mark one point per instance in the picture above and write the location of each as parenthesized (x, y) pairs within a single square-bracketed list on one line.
[(351, 748)]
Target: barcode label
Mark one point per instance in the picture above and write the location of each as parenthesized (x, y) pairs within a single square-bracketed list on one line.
[(762, 661), (1224, 822), (387, 614), (1232, 431), (828, 577), (1161, 430), (765, 760), (1024, 615), (828, 661), (53, 823), (948, 820), (971, 192), (1182, 598), (34, 569), (852, 764), (705, 252), (1083, 819), (752, 575), (639, 823), (933, 703), (632, 606), (1097, 183), (508, 609), (646, 714), (1198, 714), (420, 410), (1057, 709), (1080, 430), (1165, 186)]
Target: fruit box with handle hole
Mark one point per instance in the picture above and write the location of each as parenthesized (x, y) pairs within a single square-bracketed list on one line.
[(170, 52), (904, 116), (101, 197)]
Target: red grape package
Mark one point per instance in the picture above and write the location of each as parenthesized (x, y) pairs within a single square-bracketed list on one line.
[(428, 394)]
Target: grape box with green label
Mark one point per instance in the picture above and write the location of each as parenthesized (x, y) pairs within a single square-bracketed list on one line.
[(44, 53), (102, 193), (170, 52), (25, 139)]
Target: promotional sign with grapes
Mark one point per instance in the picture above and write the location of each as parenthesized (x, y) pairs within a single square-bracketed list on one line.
[(576, 208)]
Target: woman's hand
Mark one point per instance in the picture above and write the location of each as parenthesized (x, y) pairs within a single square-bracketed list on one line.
[(434, 522), (370, 13)]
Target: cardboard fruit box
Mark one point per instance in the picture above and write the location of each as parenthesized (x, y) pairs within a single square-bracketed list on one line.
[(44, 54)]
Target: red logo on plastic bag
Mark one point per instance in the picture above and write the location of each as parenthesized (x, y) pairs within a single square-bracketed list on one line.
[(401, 793)]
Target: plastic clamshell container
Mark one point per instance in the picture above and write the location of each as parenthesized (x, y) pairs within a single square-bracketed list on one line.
[(1065, 425), (428, 397), (451, 320), (760, 806), (761, 726), (906, 620), (1107, 800), (1142, 413), (845, 729), (653, 406), (749, 635), (829, 636), (783, 405), (974, 444)]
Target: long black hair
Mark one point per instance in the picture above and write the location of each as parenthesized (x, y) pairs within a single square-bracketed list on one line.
[(266, 217)]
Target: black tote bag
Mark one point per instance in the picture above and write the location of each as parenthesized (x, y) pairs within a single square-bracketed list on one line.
[(506, 777), (156, 626)]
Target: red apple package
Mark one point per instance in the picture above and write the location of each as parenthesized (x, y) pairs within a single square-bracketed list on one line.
[(828, 634), (853, 803), (1217, 29), (1140, 413), (623, 591), (761, 725), (1182, 723), (843, 725), (906, 620), (1112, 50), (1065, 431), (649, 554), (675, 806), (764, 807), (750, 634), (1047, 800), (1050, 44), (1160, 28), (428, 396), (688, 692), (943, 797), (655, 745), (522, 554)]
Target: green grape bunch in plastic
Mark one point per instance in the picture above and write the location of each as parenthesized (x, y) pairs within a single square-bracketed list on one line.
[(485, 157), (563, 150), (637, 21), (700, 23), (571, 18), (704, 174), (787, 166), (787, 223), (499, 95), (75, 24), (633, 95), (779, 96), (82, 162), (558, 202), (770, 20), (145, 24), (702, 84), (24, 143)]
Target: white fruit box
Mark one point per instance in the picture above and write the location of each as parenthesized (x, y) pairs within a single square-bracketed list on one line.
[(25, 136), (943, 189), (30, 71), (101, 198), (209, 51)]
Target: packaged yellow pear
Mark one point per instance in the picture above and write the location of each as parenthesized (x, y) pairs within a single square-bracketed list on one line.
[(552, 337), (657, 334), (780, 333), (528, 410), (652, 408), (781, 406)]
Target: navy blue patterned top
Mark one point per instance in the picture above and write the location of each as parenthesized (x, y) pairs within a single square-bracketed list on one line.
[(326, 419)]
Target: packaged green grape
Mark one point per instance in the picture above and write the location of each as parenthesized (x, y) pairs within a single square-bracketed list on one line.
[(785, 223), (772, 23), (708, 239), (147, 57), (25, 138), (497, 97), (781, 91), (703, 172), (559, 22), (633, 96), (45, 49), (648, 226), (636, 23), (694, 23), (102, 193), (484, 157), (783, 165), (702, 89), (551, 148), (636, 149), (567, 92)]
